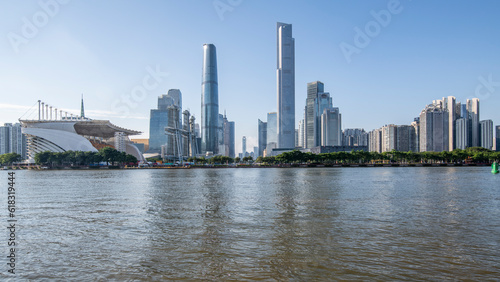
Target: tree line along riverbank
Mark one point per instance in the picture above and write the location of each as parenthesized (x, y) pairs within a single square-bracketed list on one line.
[(296, 158)]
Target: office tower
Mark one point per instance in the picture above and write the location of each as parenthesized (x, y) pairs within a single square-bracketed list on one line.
[(450, 105), (209, 101), (316, 102), (231, 140), (331, 127), (159, 119), (285, 72), (220, 135), (173, 147), (255, 153), (244, 146), (497, 137), (272, 135), (262, 137), (225, 125), (301, 134), (486, 130), (434, 128), (473, 110), (462, 140), (312, 113), (186, 139)]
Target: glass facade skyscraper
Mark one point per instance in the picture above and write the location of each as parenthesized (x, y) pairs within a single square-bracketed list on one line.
[(262, 138), (209, 101), (232, 137), (285, 72), (497, 137), (272, 135), (159, 119)]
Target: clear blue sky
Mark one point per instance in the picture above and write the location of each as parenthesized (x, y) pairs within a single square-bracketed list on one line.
[(428, 49)]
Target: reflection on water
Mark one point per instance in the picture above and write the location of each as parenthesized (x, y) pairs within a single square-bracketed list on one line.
[(249, 224)]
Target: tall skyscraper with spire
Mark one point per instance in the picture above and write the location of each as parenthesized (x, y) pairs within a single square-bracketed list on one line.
[(285, 73), (209, 101)]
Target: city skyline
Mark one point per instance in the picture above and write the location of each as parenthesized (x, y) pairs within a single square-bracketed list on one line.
[(417, 54)]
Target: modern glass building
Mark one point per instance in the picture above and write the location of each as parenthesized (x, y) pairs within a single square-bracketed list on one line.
[(232, 153), (209, 101), (159, 119), (285, 72), (486, 134), (262, 138), (473, 109), (497, 137), (331, 127), (244, 146), (312, 132), (272, 134)]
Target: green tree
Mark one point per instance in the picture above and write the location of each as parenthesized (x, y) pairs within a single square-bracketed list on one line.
[(109, 155)]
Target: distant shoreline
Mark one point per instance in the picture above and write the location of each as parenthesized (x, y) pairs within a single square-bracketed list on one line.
[(249, 166)]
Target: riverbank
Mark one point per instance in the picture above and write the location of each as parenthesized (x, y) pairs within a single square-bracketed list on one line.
[(246, 166)]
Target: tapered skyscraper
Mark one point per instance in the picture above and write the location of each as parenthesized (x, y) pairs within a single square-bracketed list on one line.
[(209, 101), (285, 72)]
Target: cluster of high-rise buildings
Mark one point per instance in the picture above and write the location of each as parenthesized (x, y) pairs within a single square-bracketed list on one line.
[(174, 133), (12, 140), (321, 125), (444, 125)]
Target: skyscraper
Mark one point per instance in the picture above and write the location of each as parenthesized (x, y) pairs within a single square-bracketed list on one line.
[(272, 135), (232, 139), (449, 103), (331, 127), (462, 133), (220, 135), (243, 146), (317, 102), (262, 138), (473, 109), (159, 119), (434, 128), (301, 134), (209, 101), (285, 73), (312, 131), (497, 137), (486, 134)]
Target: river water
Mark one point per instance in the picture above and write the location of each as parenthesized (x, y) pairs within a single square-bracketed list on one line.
[(420, 223)]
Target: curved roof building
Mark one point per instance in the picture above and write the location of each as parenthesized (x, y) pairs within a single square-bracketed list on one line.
[(76, 134)]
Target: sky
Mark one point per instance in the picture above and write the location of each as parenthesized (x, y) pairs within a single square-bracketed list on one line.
[(382, 61)]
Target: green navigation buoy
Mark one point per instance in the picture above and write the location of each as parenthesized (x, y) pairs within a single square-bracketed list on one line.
[(494, 168)]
